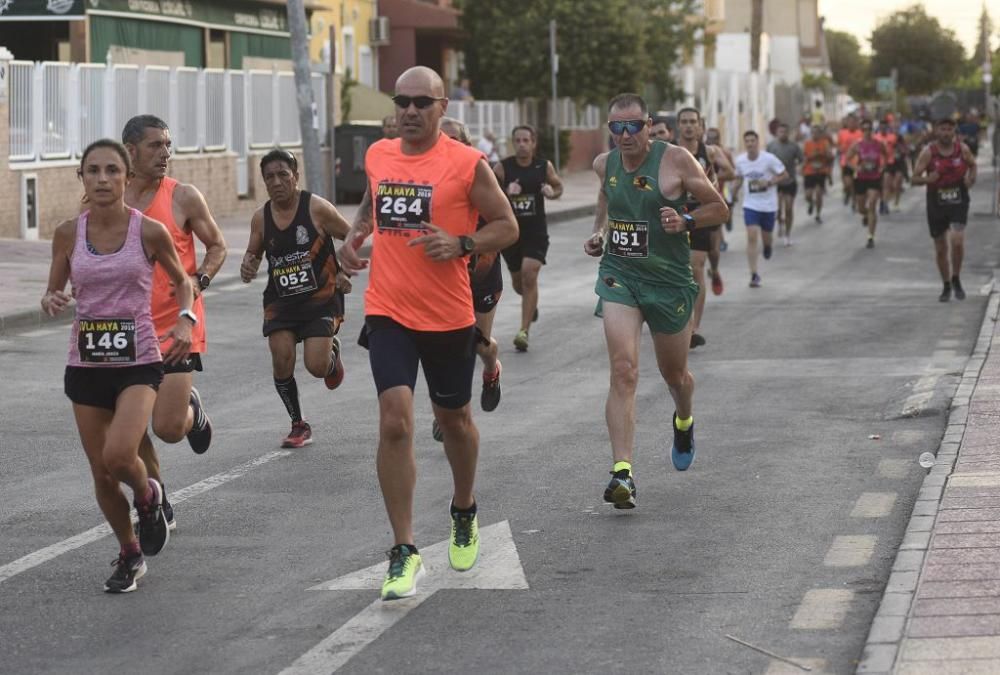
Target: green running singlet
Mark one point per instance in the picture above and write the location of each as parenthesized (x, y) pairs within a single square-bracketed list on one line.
[(636, 245)]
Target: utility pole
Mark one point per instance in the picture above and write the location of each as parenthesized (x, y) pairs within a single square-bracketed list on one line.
[(554, 60), (308, 112)]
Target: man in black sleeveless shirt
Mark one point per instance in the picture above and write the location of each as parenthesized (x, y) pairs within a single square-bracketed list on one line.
[(528, 182), (304, 297), (705, 241)]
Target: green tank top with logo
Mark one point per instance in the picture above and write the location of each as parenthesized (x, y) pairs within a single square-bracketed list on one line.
[(635, 244)]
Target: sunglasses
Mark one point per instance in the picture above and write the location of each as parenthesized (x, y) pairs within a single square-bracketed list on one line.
[(617, 128), (420, 102)]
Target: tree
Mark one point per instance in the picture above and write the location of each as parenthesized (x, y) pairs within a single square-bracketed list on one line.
[(605, 46), (926, 54), (847, 64), (983, 42)]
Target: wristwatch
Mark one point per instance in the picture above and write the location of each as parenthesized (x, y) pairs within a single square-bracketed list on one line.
[(467, 244), (189, 315), (204, 281), (688, 221)]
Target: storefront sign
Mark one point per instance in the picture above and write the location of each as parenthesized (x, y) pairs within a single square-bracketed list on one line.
[(223, 13), (40, 10)]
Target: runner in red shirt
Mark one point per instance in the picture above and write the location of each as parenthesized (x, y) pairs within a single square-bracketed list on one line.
[(871, 158), (425, 192)]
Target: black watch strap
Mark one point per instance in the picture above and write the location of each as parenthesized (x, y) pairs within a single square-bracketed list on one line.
[(467, 245)]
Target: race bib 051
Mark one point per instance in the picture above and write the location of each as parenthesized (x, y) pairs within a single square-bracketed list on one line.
[(628, 238)]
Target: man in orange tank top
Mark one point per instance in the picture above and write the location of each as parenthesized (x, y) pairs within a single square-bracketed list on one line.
[(178, 411), (425, 192)]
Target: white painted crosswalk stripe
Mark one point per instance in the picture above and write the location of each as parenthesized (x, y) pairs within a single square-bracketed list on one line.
[(874, 505), (850, 551), (823, 609)]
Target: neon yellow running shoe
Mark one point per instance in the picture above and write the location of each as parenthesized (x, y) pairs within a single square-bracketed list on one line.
[(463, 549), (521, 341), (405, 569)]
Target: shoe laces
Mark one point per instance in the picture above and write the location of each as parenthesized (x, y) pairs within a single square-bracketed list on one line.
[(682, 439), (397, 561), (463, 528)]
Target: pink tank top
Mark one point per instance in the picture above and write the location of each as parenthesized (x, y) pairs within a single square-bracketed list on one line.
[(113, 325), (869, 160)]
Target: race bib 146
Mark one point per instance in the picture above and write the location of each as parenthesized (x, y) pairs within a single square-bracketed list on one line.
[(106, 340)]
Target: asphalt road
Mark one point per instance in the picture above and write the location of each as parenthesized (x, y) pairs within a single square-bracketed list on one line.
[(782, 534)]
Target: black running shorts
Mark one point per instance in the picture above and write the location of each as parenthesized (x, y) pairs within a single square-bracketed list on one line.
[(816, 180), (188, 365), (789, 188), (701, 238), (529, 245), (324, 326), (487, 290), (940, 217), (448, 359), (862, 186), (100, 387)]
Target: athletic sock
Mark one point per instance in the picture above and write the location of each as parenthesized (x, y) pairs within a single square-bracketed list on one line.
[(288, 390), (471, 511), (683, 425), (619, 466), (131, 549)]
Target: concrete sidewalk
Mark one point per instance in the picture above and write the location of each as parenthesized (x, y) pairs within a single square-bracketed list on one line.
[(24, 265), (940, 612)]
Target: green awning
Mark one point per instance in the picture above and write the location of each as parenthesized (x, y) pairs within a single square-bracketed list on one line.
[(107, 31)]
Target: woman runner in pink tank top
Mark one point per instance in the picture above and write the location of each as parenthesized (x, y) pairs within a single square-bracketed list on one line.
[(114, 356)]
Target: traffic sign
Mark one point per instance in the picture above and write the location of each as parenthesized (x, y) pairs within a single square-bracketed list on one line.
[(885, 86)]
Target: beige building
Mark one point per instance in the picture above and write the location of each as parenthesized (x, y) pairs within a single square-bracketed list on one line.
[(791, 42), (348, 34)]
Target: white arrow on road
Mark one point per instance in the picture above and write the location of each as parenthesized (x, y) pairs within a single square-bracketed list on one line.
[(499, 567)]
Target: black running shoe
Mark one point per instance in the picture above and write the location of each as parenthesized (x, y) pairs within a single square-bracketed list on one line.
[(168, 511), (871, 242), (621, 490), (127, 570), (490, 398), (945, 293), (154, 533), (436, 432), (956, 287), (200, 436), (767, 252), (696, 340)]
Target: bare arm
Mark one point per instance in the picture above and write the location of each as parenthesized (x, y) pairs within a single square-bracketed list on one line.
[(724, 168), (594, 245), (499, 231), (203, 226), (552, 182), (158, 241), (328, 218), (919, 176), (362, 227), (255, 248), (55, 299), (712, 209), (499, 172), (970, 161)]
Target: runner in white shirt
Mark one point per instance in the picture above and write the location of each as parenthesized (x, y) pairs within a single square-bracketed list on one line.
[(759, 172)]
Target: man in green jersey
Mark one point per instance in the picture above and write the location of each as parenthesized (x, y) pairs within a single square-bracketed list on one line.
[(641, 234)]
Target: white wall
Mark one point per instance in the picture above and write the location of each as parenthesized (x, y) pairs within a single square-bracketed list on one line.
[(785, 59), (732, 52)]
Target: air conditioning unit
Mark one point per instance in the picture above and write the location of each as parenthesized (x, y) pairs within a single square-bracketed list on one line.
[(378, 31)]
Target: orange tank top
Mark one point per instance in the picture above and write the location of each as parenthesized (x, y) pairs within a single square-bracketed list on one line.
[(165, 307), (407, 190)]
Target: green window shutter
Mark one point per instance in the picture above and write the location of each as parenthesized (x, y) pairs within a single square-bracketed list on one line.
[(106, 31)]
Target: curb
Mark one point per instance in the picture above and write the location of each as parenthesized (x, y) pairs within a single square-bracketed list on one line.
[(30, 319), (888, 629)]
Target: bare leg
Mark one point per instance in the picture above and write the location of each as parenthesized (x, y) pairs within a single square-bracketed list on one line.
[(671, 357), (622, 328), (529, 290), (698, 268), (397, 467), (487, 353), (957, 245), (172, 414), (461, 445), (753, 233)]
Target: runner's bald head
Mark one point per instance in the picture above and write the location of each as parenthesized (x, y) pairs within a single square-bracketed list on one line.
[(420, 79)]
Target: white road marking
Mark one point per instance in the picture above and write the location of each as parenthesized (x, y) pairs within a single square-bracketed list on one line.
[(818, 667), (923, 392), (823, 609), (893, 468), (41, 332), (499, 567), (874, 505), (850, 551), (43, 555)]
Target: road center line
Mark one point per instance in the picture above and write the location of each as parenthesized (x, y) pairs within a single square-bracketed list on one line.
[(43, 555)]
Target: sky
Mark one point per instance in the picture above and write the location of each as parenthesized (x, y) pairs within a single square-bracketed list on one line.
[(859, 17)]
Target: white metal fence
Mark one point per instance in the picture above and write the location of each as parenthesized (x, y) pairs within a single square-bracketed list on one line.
[(57, 109), (500, 117)]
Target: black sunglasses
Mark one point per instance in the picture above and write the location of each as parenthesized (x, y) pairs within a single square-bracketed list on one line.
[(633, 127), (421, 102)]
